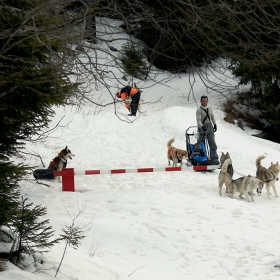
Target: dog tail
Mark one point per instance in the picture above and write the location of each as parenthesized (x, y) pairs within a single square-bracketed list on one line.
[(170, 142), (258, 161), (225, 165), (139, 104)]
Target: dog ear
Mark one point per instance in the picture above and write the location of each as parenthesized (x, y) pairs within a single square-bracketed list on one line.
[(66, 148)]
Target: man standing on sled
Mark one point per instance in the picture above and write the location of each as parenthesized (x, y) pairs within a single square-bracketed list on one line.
[(205, 118), (128, 93)]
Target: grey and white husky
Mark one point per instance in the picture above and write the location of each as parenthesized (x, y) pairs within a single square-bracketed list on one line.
[(226, 173), (244, 185)]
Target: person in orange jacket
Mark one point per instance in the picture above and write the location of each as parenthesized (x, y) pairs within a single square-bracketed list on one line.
[(133, 93)]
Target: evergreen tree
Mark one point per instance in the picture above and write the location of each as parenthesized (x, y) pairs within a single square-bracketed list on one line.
[(174, 37), (32, 234), (9, 193), (134, 62), (254, 53), (34, 49)]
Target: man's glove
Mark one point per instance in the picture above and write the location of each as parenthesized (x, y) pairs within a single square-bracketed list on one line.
[(215, 128), (204, 128)]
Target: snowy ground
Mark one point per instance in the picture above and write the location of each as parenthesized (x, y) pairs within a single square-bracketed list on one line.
[(148, 226)]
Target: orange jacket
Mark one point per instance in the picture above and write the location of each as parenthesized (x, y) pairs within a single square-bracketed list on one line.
[(124, 95)]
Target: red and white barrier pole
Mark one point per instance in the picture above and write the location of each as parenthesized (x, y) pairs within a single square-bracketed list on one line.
[(141, 170), (137, 170), (68, 179), (68, 174)]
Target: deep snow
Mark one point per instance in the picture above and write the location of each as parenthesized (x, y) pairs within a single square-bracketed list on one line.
[(163, 225)]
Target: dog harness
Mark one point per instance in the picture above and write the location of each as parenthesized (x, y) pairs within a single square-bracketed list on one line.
[(53, 166), (259, 189), (272, 178), (170, 152)]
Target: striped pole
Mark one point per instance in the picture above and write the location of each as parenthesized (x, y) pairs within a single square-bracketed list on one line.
[(142, 170), (68, 180), (68, 174)]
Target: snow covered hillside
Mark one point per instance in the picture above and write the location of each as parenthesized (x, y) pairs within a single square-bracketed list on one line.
[(162, 225)]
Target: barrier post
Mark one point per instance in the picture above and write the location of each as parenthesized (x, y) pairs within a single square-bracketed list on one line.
[(68, 181)]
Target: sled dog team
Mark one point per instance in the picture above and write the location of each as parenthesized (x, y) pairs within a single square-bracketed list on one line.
[(248, 184), (244, 185)]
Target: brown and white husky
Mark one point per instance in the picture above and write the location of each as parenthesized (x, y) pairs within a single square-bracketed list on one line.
[(60, 161), (268, 176), (175, 154)]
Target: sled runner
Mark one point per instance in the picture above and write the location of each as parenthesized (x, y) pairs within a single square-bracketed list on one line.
[(199, 153)]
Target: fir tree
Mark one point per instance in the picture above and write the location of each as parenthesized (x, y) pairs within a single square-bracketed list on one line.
[(32, 80), (32, 234), (9, 192)]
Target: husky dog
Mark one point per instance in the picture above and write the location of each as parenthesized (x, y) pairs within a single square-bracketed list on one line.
[(268, 176), (175, 154), (226, 173), (139, 105), (225, 177), (60, 161), (229, 167), (246, 184)]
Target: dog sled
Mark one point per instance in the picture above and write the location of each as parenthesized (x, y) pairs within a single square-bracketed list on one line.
[(43, 174), (198, 153)]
